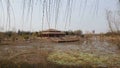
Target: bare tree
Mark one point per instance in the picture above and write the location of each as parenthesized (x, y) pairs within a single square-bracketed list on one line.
[(113, 21)]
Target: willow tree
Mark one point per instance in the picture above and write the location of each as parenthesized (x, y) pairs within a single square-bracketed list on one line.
[(51, 10), (113, 19)]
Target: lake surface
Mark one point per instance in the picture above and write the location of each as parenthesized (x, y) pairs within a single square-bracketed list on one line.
[(93, 46)]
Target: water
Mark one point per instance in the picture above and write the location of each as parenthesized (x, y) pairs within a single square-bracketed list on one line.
[(94, 46)]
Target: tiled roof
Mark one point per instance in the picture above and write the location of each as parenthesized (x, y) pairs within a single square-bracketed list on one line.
[(53, 33), (51, 30)]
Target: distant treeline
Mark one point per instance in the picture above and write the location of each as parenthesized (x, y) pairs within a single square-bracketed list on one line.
[(22, 33), (70, 32)]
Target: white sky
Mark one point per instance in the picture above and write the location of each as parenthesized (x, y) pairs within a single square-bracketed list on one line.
[(85, 18)]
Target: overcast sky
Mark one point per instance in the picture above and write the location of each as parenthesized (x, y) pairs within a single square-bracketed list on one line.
[(86, 16)]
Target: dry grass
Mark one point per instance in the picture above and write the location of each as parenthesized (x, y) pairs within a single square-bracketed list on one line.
[(28, 59), (84, 59), (32, 59), (115, 39)]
